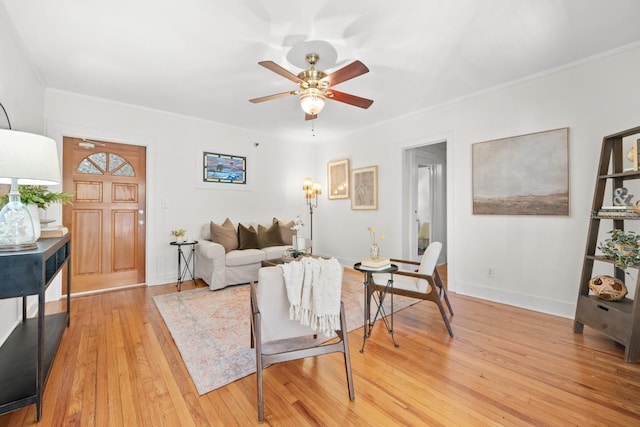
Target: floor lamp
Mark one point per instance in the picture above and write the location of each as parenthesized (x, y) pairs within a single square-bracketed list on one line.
[(311, 191)]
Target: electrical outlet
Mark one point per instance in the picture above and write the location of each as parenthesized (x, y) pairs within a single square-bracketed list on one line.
[(491, 272)]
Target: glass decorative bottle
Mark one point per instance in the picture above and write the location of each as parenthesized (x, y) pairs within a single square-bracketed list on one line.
[(374, 250)]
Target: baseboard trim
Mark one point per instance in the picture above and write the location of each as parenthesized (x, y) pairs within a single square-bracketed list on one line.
[(529, 302)]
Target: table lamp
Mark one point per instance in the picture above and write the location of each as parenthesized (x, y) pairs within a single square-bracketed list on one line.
[(28, 159)]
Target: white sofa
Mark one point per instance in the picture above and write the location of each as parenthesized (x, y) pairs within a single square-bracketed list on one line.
[(219, 269)]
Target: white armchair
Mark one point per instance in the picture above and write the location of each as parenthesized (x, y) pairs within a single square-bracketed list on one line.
[(270, 322), (425, 283)]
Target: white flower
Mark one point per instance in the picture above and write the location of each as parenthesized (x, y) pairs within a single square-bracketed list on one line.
[(297, 224)]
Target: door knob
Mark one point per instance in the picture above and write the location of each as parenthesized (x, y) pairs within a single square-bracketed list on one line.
[(141, 222)]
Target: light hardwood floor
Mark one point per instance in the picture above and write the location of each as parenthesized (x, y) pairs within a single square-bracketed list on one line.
[(118, 366)]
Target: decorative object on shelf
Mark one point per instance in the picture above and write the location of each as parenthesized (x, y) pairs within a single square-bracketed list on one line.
[(298, 241), (618, 211), (623, 247), (608, 288), (621, 197), (338, 179), (365, 188), (311, 192), (508, 180), (179, 234), (632, 155), (25, 158)]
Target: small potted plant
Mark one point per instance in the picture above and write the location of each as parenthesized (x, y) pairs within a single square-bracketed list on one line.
[(179, 234), (623, 247)]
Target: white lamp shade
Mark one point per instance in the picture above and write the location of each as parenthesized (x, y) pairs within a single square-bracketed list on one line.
[(31, 158)]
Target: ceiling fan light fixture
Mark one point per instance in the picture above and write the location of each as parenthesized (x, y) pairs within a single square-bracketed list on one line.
[(312, 101)]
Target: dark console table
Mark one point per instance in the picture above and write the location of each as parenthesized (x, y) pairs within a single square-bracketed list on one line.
[(27, 355)]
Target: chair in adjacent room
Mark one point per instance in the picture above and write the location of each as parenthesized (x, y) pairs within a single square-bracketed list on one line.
[(424, 283), (270, 323)]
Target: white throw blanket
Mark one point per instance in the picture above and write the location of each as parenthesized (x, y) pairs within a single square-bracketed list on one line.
[(314, 288)]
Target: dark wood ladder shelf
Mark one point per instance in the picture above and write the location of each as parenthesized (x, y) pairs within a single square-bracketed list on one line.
[(619, 320)]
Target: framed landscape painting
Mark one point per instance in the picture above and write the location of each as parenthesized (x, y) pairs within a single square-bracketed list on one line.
[(522, 175), (338, 179), (365, 188)]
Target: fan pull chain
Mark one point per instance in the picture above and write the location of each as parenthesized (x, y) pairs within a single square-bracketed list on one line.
[(313, 130)]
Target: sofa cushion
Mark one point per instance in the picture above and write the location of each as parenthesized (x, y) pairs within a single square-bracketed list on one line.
[(285, 231), (247, 237), (225, 235), (244, 257), (275, 252), (269, 236)]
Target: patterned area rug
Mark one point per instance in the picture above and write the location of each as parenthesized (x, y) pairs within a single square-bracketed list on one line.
[(212, 330)]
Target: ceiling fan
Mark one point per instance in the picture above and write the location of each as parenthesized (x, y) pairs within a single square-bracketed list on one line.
[(315, 86)]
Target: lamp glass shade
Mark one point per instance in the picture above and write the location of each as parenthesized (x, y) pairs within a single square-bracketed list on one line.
[(312, 101), (28, 159)]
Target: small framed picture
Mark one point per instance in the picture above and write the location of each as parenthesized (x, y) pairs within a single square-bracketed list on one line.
[(633, 154), (338, 179), (365, 188)]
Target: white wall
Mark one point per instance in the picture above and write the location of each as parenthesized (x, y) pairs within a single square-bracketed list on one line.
[(537, 260), (22, 95), (176, 197)]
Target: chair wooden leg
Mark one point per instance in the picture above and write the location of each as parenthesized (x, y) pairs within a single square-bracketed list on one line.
[(444, 316), (446, 299), (347, 357), (258, 341)]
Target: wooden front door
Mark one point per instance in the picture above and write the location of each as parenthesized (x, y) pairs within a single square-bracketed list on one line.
[(107, 218)]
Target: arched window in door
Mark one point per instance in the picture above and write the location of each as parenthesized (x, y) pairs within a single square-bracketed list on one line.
[(105, 164)]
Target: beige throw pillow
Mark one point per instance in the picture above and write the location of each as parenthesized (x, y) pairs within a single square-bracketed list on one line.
[(225, 234), (285, 231)]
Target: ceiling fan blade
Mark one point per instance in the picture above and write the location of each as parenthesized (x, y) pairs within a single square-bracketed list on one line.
[(345, 73), (310, 116), (270, 65), (274, 96), (349, 99)]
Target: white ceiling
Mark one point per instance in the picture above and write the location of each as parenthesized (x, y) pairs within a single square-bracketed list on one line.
[(200, 57)]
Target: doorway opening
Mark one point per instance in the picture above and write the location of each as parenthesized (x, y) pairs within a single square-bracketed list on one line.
[(426, 199)]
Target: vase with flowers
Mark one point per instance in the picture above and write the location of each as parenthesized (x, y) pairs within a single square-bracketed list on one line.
[(374, 249), (298, 241)]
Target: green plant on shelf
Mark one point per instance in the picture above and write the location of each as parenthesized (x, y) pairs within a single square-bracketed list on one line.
[(40, 196), (623, 247)]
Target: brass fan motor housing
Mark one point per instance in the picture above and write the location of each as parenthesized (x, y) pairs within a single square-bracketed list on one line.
[(311, 77)]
